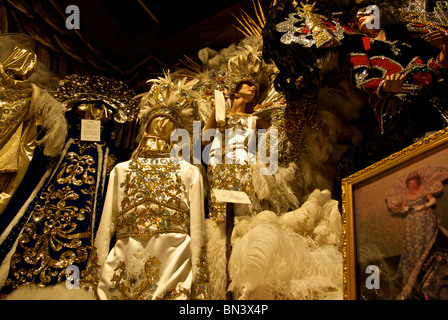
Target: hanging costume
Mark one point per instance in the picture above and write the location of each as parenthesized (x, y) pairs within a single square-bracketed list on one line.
[(402, 118), (323, 113), (372, 60)]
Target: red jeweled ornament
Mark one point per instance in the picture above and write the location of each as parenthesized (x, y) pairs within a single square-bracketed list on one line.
[(422, 78)]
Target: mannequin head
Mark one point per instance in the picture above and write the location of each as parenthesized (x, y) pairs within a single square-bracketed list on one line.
[(160, 126), (246, 89), (18, 66), (157, 134), (367, 21), (244, 93)]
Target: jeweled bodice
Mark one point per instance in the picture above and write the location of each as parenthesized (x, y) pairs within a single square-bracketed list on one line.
[(154, 200), (238, 121)]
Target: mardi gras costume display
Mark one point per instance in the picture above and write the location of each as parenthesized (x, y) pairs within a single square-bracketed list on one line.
[(275, 197), (325, 113), (404, 74), (365, 63), (395, 117), (226, 93)]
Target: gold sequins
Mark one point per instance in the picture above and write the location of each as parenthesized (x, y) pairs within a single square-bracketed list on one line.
[(153, 201)]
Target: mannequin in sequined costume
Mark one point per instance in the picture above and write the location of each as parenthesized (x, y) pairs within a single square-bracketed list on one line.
[(155, 208), (55, 227), (281, 252), (274, 195), (405, 79), (229, 169), (382, 59), (230, 160)]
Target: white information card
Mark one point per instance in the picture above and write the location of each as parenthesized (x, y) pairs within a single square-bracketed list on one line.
[(231, 196), (90, 130)]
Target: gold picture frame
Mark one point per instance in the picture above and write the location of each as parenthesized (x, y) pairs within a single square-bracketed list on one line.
[(372, 234)]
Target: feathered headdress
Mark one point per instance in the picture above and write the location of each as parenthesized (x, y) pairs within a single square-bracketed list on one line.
[(223, 71), (173, 99)]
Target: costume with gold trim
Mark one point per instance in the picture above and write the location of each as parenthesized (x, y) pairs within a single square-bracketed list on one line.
[(55, 227)]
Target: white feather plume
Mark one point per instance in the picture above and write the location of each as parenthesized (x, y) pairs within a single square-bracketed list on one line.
[(294, 256)]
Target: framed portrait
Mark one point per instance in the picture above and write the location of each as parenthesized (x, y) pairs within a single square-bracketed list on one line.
[(395, 225)]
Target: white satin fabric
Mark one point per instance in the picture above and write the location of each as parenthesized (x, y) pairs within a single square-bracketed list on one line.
[(158, 266)]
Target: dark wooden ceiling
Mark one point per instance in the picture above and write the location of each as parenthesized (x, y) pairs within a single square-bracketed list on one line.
[(131, 40)]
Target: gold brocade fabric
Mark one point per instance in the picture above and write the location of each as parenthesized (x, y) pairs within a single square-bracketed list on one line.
[(154, 190), (24, 147), (9, 158), (14, 105), (234, 176), (15, 92), (135, 287), (58, 231), (128, 286)]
